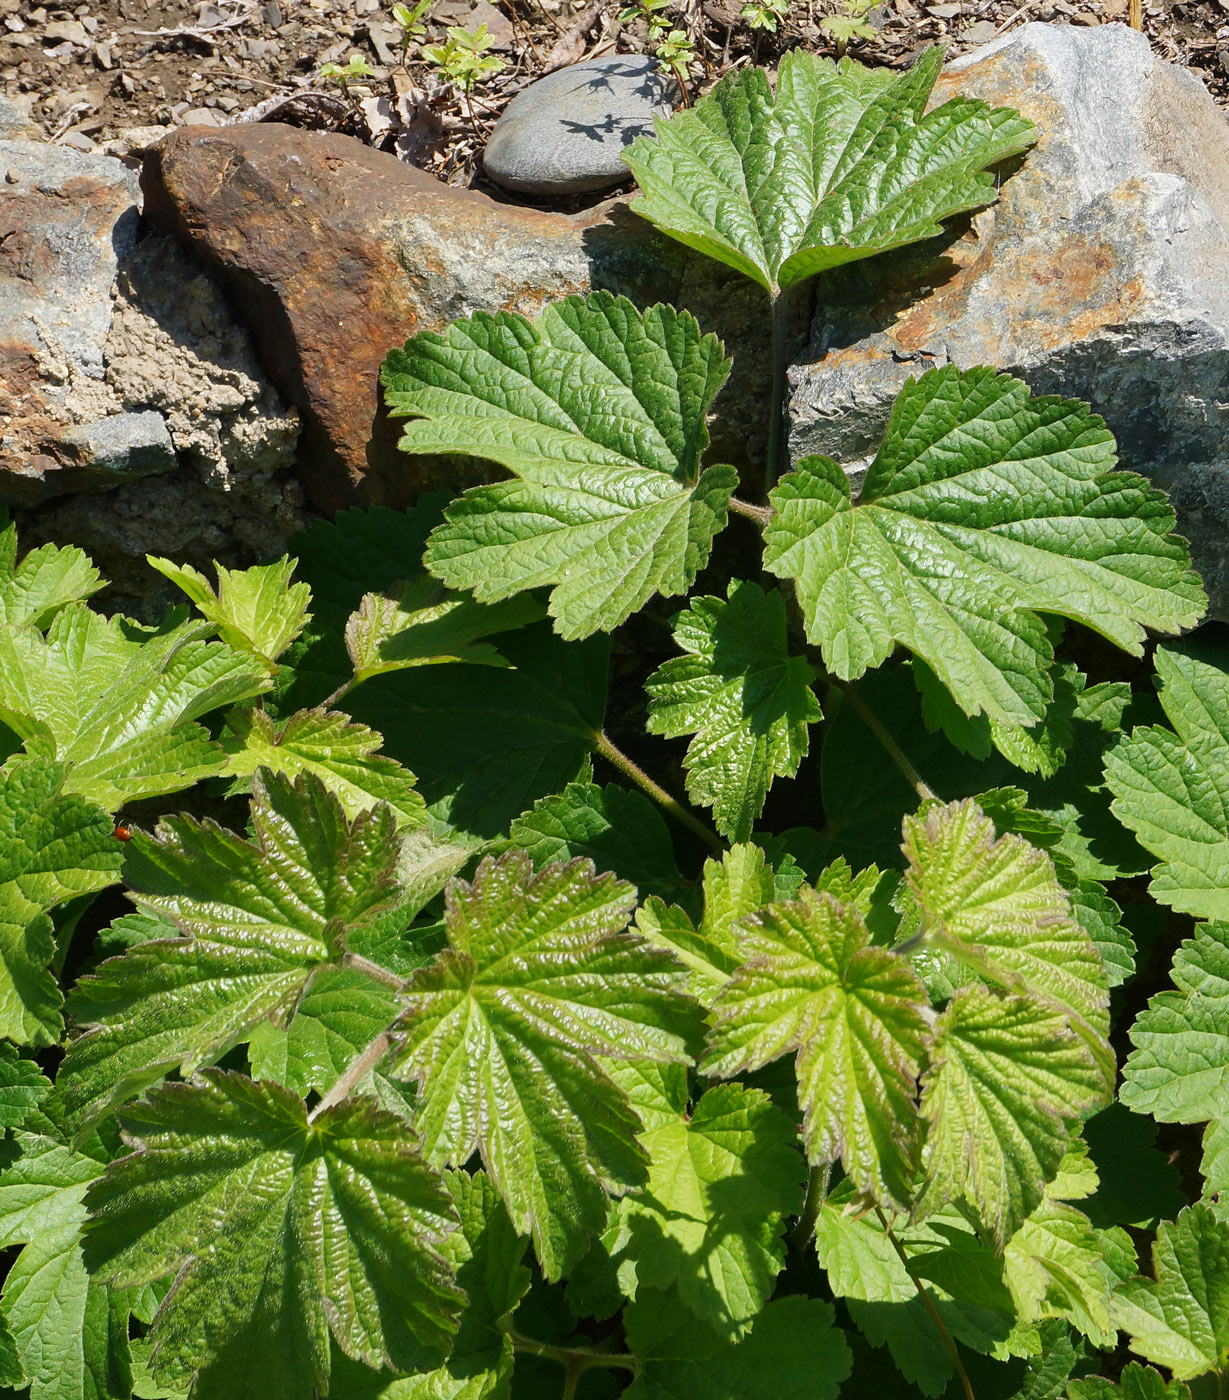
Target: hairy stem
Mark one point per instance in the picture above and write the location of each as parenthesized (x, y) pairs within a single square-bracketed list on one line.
[(813, 1203), (342, 690), (353, 1074), (774, 457), (571, 1380), (656, 791), (574, 1358), (375, 971), (928, 1304), (760, 514), (871, 720)]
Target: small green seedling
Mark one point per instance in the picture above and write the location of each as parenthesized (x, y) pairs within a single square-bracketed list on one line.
[(765, 14), (849, 23), (410, 22), (357, 68), (463, 59), (653, 13), (678, 53)]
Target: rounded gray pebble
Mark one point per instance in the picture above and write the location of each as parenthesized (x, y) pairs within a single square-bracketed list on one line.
[(565, 133)]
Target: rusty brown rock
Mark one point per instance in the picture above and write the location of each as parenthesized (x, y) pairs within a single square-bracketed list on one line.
[(332, 253), (1102, 274)]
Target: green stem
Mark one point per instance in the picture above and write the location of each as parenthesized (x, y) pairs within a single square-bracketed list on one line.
[(571, 1380), (813, 1203), (343, 689), (870, 719), (928, 1304), (579, 1358), (656, 791), (774, 457), (760, 514)]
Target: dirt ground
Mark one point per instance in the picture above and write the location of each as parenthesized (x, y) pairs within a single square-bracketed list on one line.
[(94, 70)]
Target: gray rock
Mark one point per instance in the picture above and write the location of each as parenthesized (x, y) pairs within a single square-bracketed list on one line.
[(124, 445), (1102, 274), (15, 123), (565, 133)]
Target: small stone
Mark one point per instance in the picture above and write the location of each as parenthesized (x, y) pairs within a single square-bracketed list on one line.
[(945, 11), (272, 15), (78, 140), (12, 177), (201, 116), (565, 134), (127, 444), (89, 23), (66, 31), (102, 56), (498, 25), (980, 33)]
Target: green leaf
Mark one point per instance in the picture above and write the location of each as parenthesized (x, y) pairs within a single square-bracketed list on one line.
[(256, 610), (325, 743), (857, 1017), (331, 1224), (258, 918), (1172, 788), (115, 701), (1138, 1184), (712, 1216), (1008, 1081), (340, 1011), (22, 1088), (485, 753), (744, 697), (618, 829), (841, 165), (1180, 1318), (486, 1253), (599, 412), (1179, 1069), (791, 1352), (739, 884), (501, 1031), (70, 1333), (422, 624), (47, 580), (983, 507), (997, 906), (1136, 1383), (54, 846), (1053, 1266)]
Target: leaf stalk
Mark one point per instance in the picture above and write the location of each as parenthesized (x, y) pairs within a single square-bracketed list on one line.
[(894, 751), (353, 1074), (813, 1203), (760, 514), (928, 1304), (633, 770), (576, 1359)]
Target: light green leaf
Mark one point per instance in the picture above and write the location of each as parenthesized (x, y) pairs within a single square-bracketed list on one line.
[(1179, 1069), (1180, 1317), (331, 1225), (257, 919), (501, 1031), (1215, 1165), (1007, 1083), (744, 697), (54, 846), (618, 829), (47, 580), (343, 755), (841, 165), (996, 905), (712, 1217), (599, 412), (63, 1322), (256, 610), (1053, 1266), (739, 884), (422, 624), (115, 700), (1136, 1383), (1172, 788), (340, 1011), (791, 1352), (857, 1017), (983, 507)]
